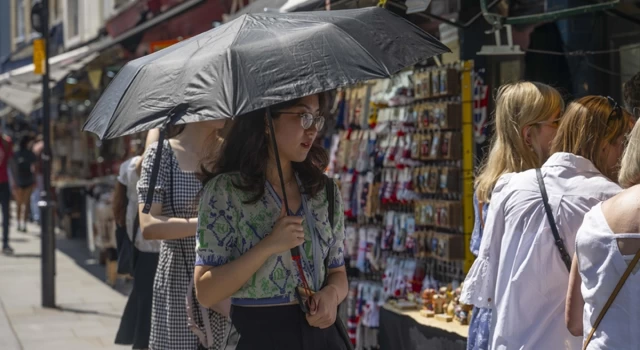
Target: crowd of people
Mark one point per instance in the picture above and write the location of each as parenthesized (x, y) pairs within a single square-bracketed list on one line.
[(556, 233), (217, 204), (556, 227)]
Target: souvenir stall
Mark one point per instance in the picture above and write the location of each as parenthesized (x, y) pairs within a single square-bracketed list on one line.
[(84, 168), (403, 154)]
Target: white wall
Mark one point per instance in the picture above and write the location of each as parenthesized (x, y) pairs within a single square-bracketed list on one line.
[(91, 18)]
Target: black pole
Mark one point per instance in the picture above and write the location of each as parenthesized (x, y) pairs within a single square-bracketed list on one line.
[(46, 206)]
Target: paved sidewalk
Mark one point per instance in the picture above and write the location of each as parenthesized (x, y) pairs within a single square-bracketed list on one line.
[(88, 312)]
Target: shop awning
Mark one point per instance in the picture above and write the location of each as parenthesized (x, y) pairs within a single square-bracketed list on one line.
[(82, 56), (5, 112), (20, 97), (60, 68)]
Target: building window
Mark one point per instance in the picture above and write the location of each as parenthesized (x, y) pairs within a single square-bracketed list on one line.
[(19, 20), (73, 22)]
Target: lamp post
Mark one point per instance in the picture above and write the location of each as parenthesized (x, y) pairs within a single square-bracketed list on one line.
[(40, 22)]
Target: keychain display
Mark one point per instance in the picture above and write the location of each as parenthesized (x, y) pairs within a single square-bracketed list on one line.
[(397, 156)]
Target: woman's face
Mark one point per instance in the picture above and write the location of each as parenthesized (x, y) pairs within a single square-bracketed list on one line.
[(545, 131), (294, 142), (211, 126), (611, 154)]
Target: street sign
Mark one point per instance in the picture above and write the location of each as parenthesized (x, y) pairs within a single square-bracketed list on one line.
[(38, 56)]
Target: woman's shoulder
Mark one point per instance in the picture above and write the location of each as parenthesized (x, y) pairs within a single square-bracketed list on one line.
[(154, 145), (222, 183)]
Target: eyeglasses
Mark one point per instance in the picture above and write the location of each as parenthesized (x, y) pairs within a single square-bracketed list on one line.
[(615, 108), (308, 119)]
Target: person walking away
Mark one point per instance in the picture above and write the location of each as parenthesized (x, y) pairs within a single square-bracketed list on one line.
[(6, 155), (172, 220), (25, 180), (245, 234), (37, 148), (522, 272), (606, 244), (135, 324), (535, 110)]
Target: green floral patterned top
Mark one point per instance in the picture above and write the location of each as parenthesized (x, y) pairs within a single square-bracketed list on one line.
[(227, 228)]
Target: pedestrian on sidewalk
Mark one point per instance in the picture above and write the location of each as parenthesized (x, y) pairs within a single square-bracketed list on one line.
[(526, 120), (135, 324), (245, 234), (25, 180), (6, 183), (37, 148), (522, 270), (606, 244), (172, 219)]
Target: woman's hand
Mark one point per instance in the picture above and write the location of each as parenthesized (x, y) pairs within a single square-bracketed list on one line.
[(323, 309), (287, 233)]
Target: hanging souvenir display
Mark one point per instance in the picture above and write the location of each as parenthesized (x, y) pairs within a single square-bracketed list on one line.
[(398, 159)]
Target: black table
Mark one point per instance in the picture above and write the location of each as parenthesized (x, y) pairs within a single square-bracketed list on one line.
[(407, 330)]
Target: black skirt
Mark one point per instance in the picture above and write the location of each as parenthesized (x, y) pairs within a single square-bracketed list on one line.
[(281, 328), (135, 325)]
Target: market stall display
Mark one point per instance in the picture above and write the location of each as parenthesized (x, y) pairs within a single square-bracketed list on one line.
[(403, 155)]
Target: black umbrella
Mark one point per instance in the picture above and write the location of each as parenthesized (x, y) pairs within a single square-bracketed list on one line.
[(256, 61)]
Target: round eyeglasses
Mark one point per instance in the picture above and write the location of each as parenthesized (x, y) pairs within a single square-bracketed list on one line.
[(308, 119)]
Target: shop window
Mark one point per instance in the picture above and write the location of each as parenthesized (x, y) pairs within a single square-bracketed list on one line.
[(73, 21), (19, 21)]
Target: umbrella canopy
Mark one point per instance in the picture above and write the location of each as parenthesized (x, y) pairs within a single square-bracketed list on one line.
[(256, 61)]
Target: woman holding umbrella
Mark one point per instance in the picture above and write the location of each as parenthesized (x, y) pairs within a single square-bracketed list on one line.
[(245, 232), (171, 219)]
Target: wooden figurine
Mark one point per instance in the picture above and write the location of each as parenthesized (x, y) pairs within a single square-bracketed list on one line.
[(438, 301), (427, 303)]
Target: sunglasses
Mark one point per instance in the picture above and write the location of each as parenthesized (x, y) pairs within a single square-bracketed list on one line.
[(615, 108), (308, 119)]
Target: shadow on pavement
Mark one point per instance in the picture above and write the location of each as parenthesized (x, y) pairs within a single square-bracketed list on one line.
[(87, 312), (24, 256), (77, 250)]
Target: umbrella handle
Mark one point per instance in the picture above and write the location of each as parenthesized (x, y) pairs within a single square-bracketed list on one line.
[(294, 251)]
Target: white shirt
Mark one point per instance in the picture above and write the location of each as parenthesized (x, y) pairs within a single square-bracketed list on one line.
[(601, 266), (519, 273), (129, 178)]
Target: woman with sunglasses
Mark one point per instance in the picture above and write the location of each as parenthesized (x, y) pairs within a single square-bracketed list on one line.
[(245, 233), (522, 270), (526, 120), (606, 244)]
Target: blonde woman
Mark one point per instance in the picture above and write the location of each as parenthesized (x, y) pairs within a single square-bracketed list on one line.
[(526, 120), (605, 245), (521, 271)]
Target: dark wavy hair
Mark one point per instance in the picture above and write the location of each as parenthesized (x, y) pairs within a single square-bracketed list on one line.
[(245, 150)]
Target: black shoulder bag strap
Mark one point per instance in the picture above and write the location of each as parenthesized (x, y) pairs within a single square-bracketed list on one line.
[(566, 259), (154, 172), (340, 326), (135, 252)]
